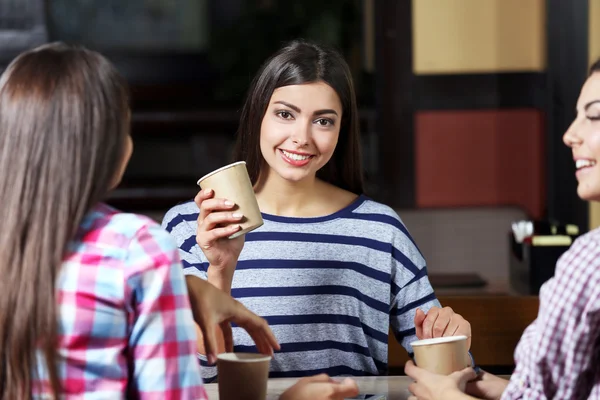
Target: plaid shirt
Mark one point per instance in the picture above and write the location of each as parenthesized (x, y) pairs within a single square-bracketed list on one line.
[(125, 323), (558, 356)]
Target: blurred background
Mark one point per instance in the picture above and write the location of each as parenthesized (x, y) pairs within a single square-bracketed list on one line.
[(463, 103)]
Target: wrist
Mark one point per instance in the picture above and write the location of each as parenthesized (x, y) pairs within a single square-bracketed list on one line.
[(220, 279)]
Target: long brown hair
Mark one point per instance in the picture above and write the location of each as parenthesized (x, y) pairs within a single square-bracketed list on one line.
[(298, 63), (595, 67), (63, 125)]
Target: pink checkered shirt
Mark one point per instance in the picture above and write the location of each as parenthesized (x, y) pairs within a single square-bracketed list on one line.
[(558, 356), (125, 324)]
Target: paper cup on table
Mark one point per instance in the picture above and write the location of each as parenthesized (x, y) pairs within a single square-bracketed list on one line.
[(443, 355), (243, 376), (232, 182)]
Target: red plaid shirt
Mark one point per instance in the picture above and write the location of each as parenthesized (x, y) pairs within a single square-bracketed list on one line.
[(125, 324), (558, 356)]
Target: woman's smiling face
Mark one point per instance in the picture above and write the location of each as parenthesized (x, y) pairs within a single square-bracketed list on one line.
[(583, 137), (300, 130)]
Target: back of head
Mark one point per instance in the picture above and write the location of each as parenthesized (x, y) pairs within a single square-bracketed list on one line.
[(595, 67), (63, 126), (301, 62)]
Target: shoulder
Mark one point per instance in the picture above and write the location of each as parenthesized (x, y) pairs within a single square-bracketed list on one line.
[(106, 225), (179, 215), (369, 206), (378, 214), (584, 255)]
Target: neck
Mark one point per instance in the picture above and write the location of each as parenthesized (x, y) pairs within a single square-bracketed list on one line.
[(278, 196)]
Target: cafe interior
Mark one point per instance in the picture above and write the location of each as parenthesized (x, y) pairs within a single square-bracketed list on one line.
[(462, 103)]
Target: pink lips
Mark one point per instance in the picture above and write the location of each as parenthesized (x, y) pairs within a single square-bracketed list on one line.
[(295, 163)]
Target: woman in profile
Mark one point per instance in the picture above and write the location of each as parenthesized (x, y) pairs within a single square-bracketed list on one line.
[(93, 302)]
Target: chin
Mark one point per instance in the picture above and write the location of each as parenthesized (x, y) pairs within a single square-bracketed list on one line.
[(588, 194), (293, 176)]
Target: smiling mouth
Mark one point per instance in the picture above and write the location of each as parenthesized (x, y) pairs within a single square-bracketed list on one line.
[(296, 157), (583, 164)]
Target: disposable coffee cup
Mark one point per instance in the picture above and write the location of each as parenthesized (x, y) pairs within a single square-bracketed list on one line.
[(443, 355), (232, 182), (242, 376)]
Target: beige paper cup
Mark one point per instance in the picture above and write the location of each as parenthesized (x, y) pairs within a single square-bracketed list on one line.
[(232, 182), (243, 376), (443, 355)]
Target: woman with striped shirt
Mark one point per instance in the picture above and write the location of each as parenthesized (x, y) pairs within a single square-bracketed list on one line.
[(331, 270)]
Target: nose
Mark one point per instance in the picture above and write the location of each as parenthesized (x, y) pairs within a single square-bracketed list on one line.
[(301, 135), (572, 136)]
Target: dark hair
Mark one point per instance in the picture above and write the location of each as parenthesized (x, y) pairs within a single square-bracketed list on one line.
[(298, 63), (595, 67), (64, 120)]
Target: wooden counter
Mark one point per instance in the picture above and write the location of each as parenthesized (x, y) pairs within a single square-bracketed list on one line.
[(497, 323)]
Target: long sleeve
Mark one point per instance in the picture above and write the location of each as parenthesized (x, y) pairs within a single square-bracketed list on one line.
[(162, 340), (410, 287), (182, 228), (559, 354)]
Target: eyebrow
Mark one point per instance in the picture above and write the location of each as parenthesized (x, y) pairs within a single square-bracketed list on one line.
[(297, 109), (591, 103)]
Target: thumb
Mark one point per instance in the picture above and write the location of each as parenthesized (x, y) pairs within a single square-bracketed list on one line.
[(419, 319), (464, 376)]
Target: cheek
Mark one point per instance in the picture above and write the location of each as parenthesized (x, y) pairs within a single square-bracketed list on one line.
[(594, 143), (270, 134), (326, 143)]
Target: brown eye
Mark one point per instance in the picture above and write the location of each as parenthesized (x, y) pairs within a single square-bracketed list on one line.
[(324, 122), (284, 114)]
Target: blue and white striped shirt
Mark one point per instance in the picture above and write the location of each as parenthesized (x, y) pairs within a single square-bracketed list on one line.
[(330, 287)]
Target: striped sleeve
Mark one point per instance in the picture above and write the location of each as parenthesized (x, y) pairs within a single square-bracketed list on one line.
[(410, 287), (162, 337), (180, 222)]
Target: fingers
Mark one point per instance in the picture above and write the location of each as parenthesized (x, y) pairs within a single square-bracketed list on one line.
[(345, 388), (442, 321), (419, 318), (464, 328), (209, 339), (206, 239), (227, 336), (214, 211), (429, 322), (410, 369), (219, 218), (416, 389), (453, 325), (321, 378), (464, 376), (257, 328)]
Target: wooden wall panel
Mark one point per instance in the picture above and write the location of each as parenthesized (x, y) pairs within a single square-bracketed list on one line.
[(465, 36), (480, 158)]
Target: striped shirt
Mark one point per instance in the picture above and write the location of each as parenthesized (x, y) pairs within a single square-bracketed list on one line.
[(558, 356), (330, 287), (125, 323)]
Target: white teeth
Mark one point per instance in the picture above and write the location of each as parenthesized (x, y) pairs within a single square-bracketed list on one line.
[(295, 157), (584, 163)]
